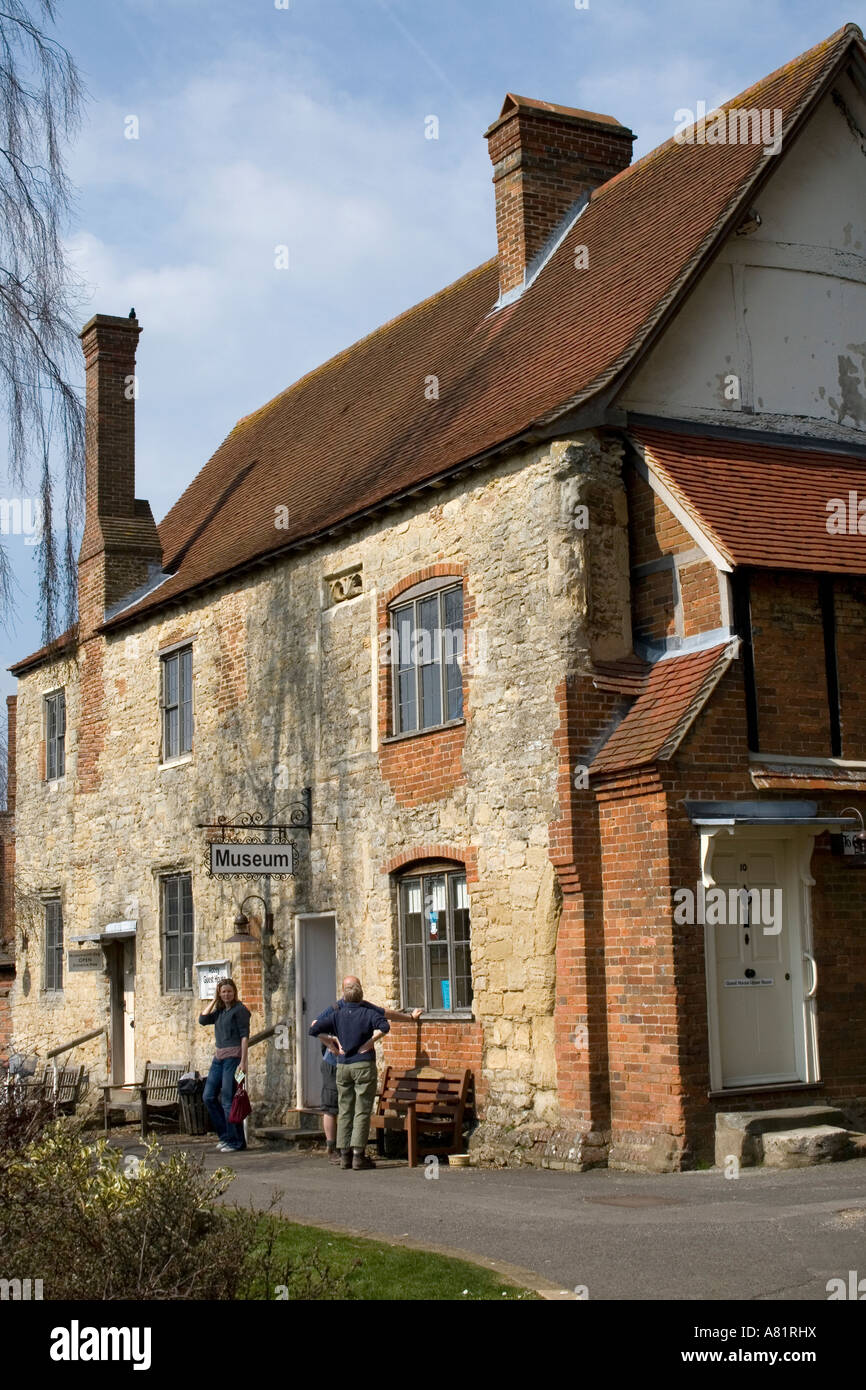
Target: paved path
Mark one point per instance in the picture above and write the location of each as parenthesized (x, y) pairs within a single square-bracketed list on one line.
[(764, 1235)]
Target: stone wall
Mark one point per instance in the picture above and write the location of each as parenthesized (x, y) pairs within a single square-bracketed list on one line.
[(287, 694)]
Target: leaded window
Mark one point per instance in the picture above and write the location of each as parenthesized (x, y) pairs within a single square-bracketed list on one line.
[(177, 932), (53, 944), (177, 704), (55, 735), (435, 941), (427, 655)]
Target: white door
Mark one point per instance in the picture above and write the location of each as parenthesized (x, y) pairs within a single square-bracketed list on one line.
[(128, 1012), (317, 981), (758, 999)]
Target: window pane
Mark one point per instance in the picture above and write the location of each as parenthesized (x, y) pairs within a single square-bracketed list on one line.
[(171, 733), (186, 741), (412, 913), (429, 650), (415, 978), (440, 989), (460, 908), (435, 913), (463, 977), (407, 712), (452, 653), (171, 691)]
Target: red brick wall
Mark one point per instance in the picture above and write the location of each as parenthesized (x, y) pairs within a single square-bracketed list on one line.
[(654, 532), (788, 638), (6, 981), (425, 766), (850, 606)]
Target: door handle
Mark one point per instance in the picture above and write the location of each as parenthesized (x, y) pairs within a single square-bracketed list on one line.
[(132, 1023), (811, 959)]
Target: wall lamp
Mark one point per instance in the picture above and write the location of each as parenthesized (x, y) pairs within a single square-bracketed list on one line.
[(242, 931)]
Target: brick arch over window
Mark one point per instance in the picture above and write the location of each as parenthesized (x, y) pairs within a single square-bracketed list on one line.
[(427, 765), (466, 855)]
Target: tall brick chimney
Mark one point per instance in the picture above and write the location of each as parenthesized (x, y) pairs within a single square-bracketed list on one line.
[(120, 545), (545, 158)]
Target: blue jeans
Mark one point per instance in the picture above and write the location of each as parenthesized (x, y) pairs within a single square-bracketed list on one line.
[(218, 1091)]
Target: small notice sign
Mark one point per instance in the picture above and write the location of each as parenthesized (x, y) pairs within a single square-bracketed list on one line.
[(84, 960), (732, 984), (209, 975)]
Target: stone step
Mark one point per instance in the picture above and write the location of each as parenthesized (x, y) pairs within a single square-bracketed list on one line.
[(804, 1147), (740, 1133), (289, 1137)]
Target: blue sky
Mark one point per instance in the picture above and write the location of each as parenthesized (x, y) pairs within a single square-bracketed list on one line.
[(304, 126)]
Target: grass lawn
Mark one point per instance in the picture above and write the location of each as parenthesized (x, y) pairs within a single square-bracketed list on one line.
[(306, 1262)]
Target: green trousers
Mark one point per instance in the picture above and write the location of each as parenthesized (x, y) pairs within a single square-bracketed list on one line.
[(356, 1093)]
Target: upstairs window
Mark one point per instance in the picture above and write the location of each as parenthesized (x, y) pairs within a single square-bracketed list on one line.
[(55, 735), (177, 932), (176, 704), (434, 941), (427, 657), (53, 944)]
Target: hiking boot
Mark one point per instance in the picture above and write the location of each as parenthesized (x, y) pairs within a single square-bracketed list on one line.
[(334, 1156), (346, 1158), (360, 1160)]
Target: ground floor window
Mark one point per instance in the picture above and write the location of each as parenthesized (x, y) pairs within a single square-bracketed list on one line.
[(177, 932), (53, 944), (434, 941)]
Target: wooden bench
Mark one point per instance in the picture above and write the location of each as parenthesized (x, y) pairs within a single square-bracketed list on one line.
[(429, 1105), (72, 1084), (157, 1094)]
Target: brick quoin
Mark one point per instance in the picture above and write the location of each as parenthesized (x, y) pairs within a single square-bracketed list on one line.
[(428, 765)]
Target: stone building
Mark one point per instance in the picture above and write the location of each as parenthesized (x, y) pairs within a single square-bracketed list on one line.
[(515, 625)]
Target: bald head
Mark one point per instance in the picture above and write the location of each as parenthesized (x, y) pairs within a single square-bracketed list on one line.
[(352, 991)]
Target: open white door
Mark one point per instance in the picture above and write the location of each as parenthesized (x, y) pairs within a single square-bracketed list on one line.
[(316, 976)]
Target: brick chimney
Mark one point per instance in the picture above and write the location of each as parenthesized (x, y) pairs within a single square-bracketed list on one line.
[(545, 158), (120, 545)]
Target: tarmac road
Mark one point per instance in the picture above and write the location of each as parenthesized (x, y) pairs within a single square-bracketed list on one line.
[(765, 1235)]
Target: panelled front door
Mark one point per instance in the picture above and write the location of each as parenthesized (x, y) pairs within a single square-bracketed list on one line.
[(758, 1011), (317, 987)]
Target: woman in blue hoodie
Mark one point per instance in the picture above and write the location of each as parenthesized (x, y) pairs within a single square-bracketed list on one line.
[(230, 1020)]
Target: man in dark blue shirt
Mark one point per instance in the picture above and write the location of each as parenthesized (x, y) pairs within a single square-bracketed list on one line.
[(355, 1027)]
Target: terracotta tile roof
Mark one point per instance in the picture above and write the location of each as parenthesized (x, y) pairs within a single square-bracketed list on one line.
[(360, 430), (807, 777), (674, 691), (761, 504), (627, 676)]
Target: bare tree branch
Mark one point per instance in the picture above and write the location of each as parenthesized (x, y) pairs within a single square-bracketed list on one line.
[(40, 103)]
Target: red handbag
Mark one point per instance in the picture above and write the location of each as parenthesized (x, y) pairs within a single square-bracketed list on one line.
[(240, 1106)]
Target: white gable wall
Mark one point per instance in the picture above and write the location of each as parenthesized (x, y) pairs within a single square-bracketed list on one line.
[(782, 309)]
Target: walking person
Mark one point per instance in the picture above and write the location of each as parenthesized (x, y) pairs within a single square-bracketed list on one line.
[(230, 1020), (355, 1026), (329, 1098)]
